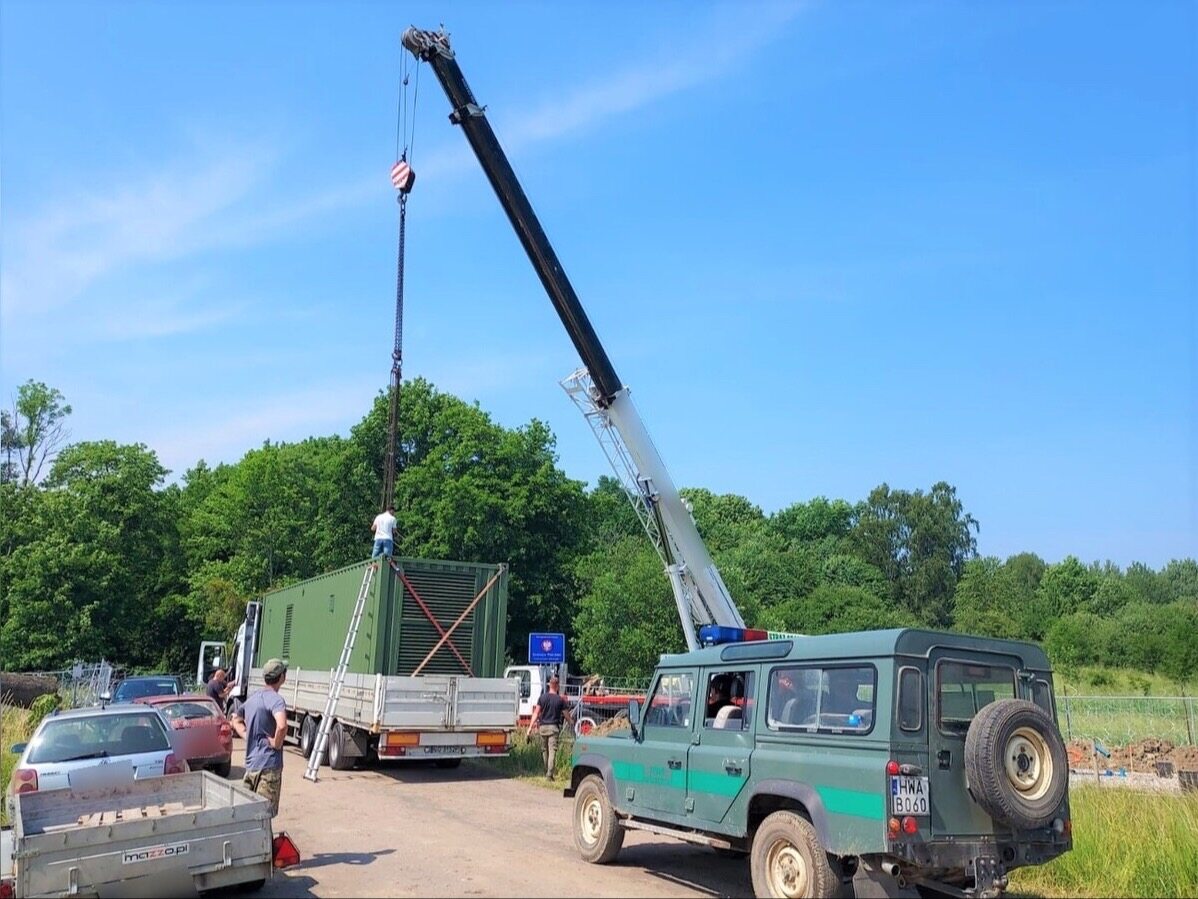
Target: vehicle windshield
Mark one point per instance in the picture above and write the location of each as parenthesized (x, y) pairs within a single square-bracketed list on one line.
[(964, 688), (129, 690), (189, 710), (98, 736)]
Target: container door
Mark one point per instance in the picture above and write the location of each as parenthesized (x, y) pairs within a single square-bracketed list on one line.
[(961, 684)]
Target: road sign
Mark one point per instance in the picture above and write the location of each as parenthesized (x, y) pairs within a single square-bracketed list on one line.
[(546, 649)]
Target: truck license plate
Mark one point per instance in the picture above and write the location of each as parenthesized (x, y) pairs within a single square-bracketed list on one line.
[(444, 750), (909, 795)]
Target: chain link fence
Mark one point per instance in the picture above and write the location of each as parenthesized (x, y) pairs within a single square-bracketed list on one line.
[(82, 684), (1120, 720)]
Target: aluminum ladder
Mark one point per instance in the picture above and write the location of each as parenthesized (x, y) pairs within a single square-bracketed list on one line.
[(338, 679)]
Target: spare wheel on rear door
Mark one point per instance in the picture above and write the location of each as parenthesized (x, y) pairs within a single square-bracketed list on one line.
[(1015, 763)]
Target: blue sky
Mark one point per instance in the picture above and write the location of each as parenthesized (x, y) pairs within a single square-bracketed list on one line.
[(827, 245)]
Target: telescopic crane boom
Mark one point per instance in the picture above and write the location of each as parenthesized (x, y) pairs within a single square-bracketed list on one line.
[(699, 591)]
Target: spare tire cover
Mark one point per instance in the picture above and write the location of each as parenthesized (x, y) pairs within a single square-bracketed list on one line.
[(1015, 763)]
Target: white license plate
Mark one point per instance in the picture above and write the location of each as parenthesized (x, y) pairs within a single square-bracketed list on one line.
[(909, 795), (444, 750)]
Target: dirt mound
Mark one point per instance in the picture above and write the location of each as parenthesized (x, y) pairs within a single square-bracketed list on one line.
[(1184, 758), (23, 689), (1143, 755)]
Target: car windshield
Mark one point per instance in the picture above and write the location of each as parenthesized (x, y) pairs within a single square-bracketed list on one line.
[(129, 690), (98, 736), (190, 710)]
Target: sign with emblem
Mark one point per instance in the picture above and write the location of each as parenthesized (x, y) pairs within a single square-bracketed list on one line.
[(546, 649)]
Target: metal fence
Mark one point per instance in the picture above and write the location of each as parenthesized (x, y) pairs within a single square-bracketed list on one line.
[(1119, 720), (82, 684)]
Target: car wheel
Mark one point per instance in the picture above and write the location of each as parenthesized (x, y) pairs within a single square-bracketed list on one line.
[(339, 760), (597, 833), (223, 769), (307, 739), (787, 860), (1015, 763)]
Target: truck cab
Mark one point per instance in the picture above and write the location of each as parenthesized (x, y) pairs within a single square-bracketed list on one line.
[(932, 759)]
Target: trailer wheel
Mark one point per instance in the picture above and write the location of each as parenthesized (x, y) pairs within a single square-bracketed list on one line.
[(583, 726), (338, 759), (307, 738)]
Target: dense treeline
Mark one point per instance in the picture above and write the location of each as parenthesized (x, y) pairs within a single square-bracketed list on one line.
[(102, 557)]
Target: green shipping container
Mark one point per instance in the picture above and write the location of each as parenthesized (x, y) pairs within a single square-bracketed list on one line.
[(305, 624)]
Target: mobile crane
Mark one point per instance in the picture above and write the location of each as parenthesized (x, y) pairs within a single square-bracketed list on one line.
[(705, 606)]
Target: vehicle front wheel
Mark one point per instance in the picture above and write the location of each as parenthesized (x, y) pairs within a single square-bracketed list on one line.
[(597, 833), (787, 860)]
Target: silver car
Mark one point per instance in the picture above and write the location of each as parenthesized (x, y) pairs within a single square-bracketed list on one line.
[(85, 747)]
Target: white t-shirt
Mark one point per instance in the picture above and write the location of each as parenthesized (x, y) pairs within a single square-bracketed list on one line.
[(384, 526)]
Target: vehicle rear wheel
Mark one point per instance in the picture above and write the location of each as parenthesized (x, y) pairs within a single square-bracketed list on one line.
[(339, 760), (787, 860), (307, 739), (223, 769), (1015, 763), (597, 833)]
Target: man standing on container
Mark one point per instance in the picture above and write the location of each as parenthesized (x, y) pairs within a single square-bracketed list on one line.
[(262, 722), (384, 530), (548, 714)]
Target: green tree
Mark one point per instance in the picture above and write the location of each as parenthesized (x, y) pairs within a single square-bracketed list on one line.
[(834, 609), (33, 431)]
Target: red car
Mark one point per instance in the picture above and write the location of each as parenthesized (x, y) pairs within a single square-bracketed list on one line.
[(200, 731)]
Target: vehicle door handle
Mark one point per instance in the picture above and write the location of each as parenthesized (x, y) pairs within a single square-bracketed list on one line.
[(674, 764)]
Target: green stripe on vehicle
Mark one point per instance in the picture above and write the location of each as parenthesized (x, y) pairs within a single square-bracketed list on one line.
[(658, 776), (853, 802), (716, 784)]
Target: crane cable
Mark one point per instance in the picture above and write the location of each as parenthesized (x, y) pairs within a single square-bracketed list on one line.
[(402, 179)]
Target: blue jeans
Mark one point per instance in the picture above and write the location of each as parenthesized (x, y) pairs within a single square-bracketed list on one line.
[(382, 547)]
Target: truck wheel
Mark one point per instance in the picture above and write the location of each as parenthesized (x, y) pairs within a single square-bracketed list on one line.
[(597, 833), (787, 860), (307, 738), (339, 760), (1015, 763)]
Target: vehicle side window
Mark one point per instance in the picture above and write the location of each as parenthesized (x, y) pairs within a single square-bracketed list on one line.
[(729, 700), (1042, 696), (822, 700), (671, 702), (963, 688), (910, 699), (525, 679)]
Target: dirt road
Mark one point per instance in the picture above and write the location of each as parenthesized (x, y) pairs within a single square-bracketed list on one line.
[(417, 831)]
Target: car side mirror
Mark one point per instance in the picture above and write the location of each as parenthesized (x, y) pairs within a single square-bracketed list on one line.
[(18, 748), (634, 717)]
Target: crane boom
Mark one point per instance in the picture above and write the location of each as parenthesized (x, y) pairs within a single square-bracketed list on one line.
[(699, 591)]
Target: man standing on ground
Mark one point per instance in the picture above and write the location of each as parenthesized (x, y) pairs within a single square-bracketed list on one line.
[(384, 531), (217, 687), (262, 721), (548, 715)]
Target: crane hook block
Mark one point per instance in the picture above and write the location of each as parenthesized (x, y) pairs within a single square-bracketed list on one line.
[(402, 177)]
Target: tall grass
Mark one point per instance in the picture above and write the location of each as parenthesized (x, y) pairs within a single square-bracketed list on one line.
[(1124, 844), (16, 726), (526, 761)]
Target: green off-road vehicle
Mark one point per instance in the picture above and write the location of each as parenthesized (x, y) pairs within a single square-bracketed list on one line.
[(932, 761)]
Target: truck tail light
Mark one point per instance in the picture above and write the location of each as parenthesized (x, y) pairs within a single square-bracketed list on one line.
[(24, 780), (7, 890), (490, 738), (174, 765)]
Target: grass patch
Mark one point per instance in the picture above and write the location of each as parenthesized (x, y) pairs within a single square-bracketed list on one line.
[(16, 726), (1124, 844), (1089, 680), (525, 761)]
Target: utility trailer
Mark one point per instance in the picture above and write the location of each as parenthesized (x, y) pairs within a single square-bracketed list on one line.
[(424, 680), (159, 836)]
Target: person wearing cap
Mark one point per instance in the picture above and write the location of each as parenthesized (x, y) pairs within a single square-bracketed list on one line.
[(547, 720), (262, 722)]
